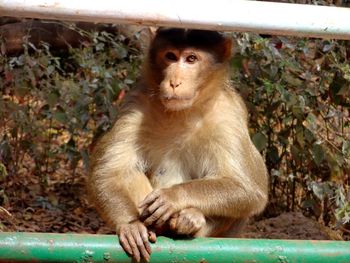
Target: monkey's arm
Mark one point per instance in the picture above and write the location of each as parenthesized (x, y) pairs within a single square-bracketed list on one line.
[(220, 197), (113, 195), (115, 180), (118, 185), (214, 197), (238, 190)]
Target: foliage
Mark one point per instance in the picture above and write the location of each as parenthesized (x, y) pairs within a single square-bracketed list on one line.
[(298, 92), (53, 104)]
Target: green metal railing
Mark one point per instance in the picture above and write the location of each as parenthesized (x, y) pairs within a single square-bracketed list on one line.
[(43, 247)]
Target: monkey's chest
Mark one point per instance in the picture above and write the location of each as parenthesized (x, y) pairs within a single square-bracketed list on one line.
[(175, 157), (171, 165), (169, 170)]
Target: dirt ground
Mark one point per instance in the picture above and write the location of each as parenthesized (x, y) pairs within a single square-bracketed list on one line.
[(292, 225), (63, 206)]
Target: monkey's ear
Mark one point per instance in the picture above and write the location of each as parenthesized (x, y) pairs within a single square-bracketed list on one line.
[(147, 34), (227, 48), (153, 31)]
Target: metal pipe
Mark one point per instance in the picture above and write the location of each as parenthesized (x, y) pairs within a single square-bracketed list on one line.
[(225, 15), (43, 247)]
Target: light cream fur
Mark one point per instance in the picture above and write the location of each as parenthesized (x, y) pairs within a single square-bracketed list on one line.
[(202, 152)]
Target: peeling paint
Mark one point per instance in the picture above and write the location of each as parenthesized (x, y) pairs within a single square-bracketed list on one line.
[(87, 257), (51, 245), (282, 259), (106, 256)]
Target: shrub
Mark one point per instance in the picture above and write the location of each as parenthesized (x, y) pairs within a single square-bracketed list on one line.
[(53, 104), (298, 94)]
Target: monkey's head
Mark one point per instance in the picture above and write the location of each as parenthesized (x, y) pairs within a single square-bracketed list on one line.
[(182, 64)]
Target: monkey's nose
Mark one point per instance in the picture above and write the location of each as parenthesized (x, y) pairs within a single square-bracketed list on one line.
[(175, 84)]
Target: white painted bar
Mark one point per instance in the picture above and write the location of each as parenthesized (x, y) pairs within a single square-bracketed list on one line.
[(225, 15)]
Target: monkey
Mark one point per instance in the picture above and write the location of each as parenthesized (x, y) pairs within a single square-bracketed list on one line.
[(179, 160)]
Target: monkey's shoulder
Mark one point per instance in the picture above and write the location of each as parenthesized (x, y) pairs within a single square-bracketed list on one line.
[(229, 103)]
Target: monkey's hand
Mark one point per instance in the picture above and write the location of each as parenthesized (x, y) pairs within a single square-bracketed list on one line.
[(188, 222), (134, 238), (158, 207)]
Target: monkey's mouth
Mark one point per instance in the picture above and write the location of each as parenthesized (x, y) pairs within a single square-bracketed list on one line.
[(176, 103), (178, 98)]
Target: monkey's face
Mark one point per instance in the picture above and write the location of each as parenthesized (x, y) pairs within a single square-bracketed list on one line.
[(182, 76), (184, 62)]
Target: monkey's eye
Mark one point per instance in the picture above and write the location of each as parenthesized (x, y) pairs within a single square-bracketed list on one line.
[(171, 56), (191, 58)]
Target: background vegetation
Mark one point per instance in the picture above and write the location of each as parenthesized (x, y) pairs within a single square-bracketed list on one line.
[(298, 94), (54, 103)]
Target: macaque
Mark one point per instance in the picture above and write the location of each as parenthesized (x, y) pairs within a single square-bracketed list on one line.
[(179, 160)]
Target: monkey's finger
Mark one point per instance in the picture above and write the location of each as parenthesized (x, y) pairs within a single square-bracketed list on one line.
[(141, 249), (125, 244), (184, 226), (144, 213), (173, 223), (154, 206), (135, 251), (152, 237), (163, 218), (179, 226), (155, 216), (149, 199), (144, 236), (184, 230), (151, 215)]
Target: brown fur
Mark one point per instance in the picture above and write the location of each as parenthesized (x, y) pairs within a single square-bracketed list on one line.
[(180, 145)]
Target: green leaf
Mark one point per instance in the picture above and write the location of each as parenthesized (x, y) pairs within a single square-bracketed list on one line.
[(309, 136), (100, 46), (319, 189), (61, 116), (339, 86), (272, 155), (121, 52), (129, 81), (318, 153), (52, 99), (300, 136), (295, 153), (296, 82), (311, 122), (260, 141), (3, 172), (50, 69), (85, 156), (346, 149), (236, 62), (22, 91)]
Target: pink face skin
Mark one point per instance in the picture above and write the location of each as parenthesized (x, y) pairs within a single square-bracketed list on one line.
[(182, 79)]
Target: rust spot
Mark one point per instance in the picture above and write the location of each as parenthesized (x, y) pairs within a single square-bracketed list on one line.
[(51, 244), (106, 256), (55, 4)]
